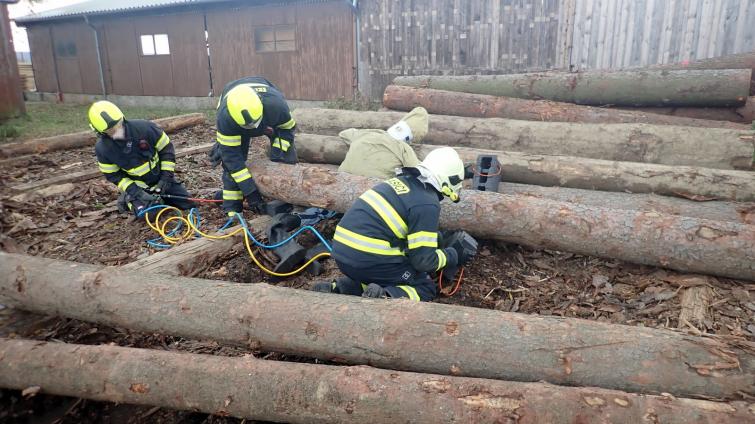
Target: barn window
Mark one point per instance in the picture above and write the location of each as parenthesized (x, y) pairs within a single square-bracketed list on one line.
[(277, 38), (155, 44), (65, 49)]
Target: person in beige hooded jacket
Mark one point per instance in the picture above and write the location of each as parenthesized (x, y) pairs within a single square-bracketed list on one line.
[(378, 153)]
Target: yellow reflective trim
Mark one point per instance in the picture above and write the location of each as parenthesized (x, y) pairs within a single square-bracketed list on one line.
[(162, 142), (242, 175), (108, 168), (232, 195), (364, 243), (364, 286), (124, 183), (287, 125), (386, 212), (442, 260), (145, 167), (167, 165), (423, 239), (281, 144), (411, 291), (141, 184), (228, 140)]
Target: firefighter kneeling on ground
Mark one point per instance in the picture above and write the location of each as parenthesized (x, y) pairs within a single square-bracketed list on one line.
[(138, 157), (387, 243)]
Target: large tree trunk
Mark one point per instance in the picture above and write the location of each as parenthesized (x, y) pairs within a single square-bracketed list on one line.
[(395, 334), (726, 87), (257, 389), (86, 138), (483, 106), (682, 243), (743, 213), (661, 144), (732, 61), (743, 114), (576, 172)]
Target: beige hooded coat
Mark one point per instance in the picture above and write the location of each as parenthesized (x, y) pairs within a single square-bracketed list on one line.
[(374, 153)]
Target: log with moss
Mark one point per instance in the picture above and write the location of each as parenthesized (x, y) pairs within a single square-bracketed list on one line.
[(720, 87)]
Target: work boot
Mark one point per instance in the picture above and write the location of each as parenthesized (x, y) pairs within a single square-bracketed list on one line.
[(374, 291), (218, 196), (324, 287)]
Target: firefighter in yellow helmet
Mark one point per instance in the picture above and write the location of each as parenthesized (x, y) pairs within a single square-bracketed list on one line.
[(387, 243), (250, 107), (138, 157)]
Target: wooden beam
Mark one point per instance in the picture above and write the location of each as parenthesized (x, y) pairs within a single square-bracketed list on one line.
[(193, 257), (93, 173)]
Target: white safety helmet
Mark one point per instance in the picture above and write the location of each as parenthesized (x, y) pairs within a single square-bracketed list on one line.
[(446, 172), (401, 131)]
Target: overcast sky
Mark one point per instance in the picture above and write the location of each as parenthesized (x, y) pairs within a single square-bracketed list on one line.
[(23, 8)]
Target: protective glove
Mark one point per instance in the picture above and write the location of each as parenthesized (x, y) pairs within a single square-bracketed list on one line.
[(464, 244), (374, 291), (145, 198), (255, 202), (165, 183), (214, 155)]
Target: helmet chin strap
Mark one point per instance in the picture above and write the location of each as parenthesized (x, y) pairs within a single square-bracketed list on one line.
[(450, 194)]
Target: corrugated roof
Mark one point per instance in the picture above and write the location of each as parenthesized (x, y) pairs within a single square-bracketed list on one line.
[(99, 7)]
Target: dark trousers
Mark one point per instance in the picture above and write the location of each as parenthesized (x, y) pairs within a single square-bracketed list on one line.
[(398, 280)]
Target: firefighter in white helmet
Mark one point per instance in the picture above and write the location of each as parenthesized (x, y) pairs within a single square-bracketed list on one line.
[(387, 243)]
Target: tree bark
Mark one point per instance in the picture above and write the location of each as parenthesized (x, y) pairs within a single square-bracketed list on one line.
[(441, 339), (575, 172), (257, 389), (94, 172), (662, 144), (86, 138), (682, 243), (725, 87), (695, 303), (191, 258), (732, 61), (743, 213), (743, 114), (483, 106)]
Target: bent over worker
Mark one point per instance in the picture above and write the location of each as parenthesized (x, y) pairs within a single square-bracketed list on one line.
[(387, 242), (378, 153), (250, 107), (138, 157)]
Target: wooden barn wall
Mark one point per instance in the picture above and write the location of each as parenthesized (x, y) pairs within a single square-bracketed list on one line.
[(43, 62), (611, 34), (455, 37), (182, 73), (321, 67), (78, 73)]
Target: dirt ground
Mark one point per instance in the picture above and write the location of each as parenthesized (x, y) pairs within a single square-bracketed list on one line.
[(80, 224)]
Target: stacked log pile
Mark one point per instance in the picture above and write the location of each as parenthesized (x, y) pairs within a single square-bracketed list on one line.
[(642, 187)]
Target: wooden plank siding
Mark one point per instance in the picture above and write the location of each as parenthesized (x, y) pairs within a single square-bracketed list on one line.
[(455, 37), (615, 34), (43, 63), (320, 68)]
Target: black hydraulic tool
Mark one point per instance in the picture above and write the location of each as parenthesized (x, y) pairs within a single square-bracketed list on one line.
[(464, 244), (291, 253), (487, 173)]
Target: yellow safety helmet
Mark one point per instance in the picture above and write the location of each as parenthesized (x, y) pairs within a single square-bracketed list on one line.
[(104, 115), (244, 106)]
